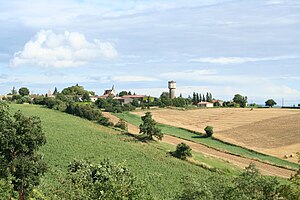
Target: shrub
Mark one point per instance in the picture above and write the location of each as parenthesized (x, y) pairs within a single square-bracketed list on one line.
[(209, 130), (182, 151), (104, 180), (84, 111), (122, 125), (39, 100), (104, 121)]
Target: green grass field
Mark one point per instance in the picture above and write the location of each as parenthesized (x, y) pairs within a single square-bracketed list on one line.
[(70, 137), (214, 143)]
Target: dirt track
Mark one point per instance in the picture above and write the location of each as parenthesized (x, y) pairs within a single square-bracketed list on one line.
[(241, 162)]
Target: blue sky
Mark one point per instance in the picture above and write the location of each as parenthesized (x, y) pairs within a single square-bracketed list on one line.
[(225, 47)]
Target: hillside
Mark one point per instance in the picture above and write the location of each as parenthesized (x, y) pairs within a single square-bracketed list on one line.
[(71, 137)]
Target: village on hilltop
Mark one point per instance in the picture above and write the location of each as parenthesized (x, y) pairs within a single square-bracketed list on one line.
[(125, 97)]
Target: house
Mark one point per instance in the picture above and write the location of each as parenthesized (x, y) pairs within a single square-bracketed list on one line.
[(2, 97), (204, 104), (217, 101), (94, 98), (124, 100), (139, 98)]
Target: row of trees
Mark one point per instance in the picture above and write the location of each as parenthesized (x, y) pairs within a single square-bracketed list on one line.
[(201, 97)]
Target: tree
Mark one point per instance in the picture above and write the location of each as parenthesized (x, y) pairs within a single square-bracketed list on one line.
[(148, 127), (86, 97), (165, 99), (270, 103), (209, 130), (24, 91), (182, 151), (240, 100), (122, 93), (73, 90), (13, 91), (21, 137), (55, 92)]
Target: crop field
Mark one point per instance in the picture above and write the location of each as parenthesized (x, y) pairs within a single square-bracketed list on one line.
[(70, 137), (272, 131)]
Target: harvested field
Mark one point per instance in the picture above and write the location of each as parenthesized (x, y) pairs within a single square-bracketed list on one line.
[(265, 168), (272, 131)]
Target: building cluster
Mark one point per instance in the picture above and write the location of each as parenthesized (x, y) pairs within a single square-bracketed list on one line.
[(111, 93)]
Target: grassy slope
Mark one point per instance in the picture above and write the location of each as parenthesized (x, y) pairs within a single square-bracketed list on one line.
[(185, 134), (70, 137)]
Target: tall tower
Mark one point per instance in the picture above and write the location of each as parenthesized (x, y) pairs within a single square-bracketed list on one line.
[(172, 89)]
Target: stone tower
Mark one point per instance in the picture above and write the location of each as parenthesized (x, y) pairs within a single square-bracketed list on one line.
[(172, 89)]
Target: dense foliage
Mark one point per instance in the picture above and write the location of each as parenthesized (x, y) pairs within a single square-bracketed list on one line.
[(199, 97), (21, 165), (270, 103), (240, 100), (113, 105), (182, 151), (248, 185), (105, 180), (209, 130), (24, 91)]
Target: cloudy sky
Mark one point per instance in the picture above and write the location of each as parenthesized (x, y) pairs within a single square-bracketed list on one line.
[(225, 47)]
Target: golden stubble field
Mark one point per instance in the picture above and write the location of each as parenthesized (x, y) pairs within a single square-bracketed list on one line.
[(272, 131)]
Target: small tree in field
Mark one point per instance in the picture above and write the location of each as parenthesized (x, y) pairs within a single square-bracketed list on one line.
[(209, 130), (182, 151), (270, 103), (148, 127)]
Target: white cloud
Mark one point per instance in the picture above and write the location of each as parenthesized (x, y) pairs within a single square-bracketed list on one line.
[(239, 60), (70, 49)]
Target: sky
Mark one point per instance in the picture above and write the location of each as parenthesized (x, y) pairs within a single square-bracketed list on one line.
[(251, 47)]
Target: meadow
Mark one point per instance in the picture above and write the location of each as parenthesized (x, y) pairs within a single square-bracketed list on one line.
[(70, 137)]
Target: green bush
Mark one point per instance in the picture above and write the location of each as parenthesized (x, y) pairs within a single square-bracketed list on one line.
[(84, 110), (182, 151), (209, 130), (122, 125), (104, 180), (104, 121)]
